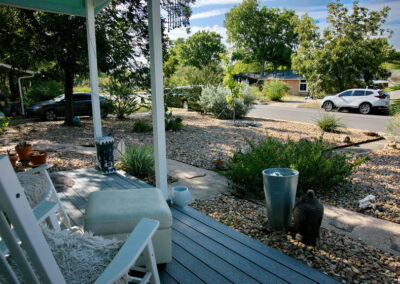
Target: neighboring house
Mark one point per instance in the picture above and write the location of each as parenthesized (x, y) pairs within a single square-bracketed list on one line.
[(297, 84)]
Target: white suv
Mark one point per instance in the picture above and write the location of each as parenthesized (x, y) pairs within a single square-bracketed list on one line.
[(363, 99)]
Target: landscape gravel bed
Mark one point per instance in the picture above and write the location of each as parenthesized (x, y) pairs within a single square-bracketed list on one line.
[(202, 140), (345, 259), (205, 139), (379, 175)]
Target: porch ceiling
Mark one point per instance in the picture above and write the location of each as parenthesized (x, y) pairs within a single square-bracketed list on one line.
[(69, 7)]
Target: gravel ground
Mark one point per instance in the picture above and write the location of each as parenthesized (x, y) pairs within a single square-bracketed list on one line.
[(379, 175), (205, 139), (344, 259), (202, 140)]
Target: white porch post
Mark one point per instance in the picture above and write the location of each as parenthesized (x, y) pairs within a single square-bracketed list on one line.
[(93, 75), (157, 95)]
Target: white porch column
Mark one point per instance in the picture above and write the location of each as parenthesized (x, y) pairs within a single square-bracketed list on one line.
[(93, 75), (157, 95)]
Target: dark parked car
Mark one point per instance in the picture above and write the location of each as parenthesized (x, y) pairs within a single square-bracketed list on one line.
[(50, 110)]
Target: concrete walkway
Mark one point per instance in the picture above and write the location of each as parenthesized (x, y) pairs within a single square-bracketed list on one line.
[(203, 184)]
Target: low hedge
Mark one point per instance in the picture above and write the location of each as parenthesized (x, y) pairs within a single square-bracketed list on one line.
[(320, 168)]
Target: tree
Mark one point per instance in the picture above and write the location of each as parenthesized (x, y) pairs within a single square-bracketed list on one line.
[(195, 61), (265, 35), (60, 40), (201, 49), (349, 53)]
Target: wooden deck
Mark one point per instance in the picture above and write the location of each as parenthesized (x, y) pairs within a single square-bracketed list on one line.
[(204, 250)]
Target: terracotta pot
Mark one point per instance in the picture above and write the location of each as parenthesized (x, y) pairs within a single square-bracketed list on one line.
[(13, 159), (38, 158), (23, 152)]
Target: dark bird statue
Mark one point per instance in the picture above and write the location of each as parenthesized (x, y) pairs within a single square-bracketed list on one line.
[(308, 213)]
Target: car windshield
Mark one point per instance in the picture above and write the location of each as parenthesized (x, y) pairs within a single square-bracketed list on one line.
[(58, 98)]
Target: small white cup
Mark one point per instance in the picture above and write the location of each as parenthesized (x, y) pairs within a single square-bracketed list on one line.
[(181, 196)]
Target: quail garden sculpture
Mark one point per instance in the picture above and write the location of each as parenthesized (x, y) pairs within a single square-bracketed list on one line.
[(308, 213)]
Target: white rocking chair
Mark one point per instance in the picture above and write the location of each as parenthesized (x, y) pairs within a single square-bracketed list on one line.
[(28, 247), (46, 209)]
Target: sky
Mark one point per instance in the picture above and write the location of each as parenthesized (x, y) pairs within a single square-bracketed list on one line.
[(210, 14)]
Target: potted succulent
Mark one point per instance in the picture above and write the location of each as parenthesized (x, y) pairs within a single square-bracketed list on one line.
[(38, 158), (23, 149), (13, 158)]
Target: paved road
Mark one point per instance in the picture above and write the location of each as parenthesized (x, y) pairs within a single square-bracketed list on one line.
[(351, 120)]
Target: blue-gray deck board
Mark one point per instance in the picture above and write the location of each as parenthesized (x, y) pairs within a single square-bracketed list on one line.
[(204, 250)]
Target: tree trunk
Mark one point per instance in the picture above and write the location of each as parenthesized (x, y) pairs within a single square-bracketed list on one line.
[(262, 67), (68, 91), (13, 86)]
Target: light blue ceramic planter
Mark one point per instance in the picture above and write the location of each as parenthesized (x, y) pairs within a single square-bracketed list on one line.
[(180, 196), (280, 186)]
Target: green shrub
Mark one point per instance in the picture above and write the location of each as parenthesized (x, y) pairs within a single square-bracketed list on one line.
[(213, 100), (171, 123), (393, 88), (329, 123), (275, 89), (4, 121), (43, 91), (175, 97), (139, 161), (394, 107), (393, 128), (320, 168), (140, 126)]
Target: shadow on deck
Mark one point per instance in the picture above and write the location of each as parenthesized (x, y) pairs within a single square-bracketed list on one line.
[(204, 250)]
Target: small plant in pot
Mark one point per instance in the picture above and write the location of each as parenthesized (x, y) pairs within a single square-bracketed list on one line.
[(13, 158), (23, 149), (38, 158)]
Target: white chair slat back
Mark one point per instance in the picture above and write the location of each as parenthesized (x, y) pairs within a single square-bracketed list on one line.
[(14, 204)]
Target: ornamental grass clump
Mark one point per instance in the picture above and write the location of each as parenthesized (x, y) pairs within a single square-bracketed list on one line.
[(275, 89), (329, 123), (138, 161), (140, 126), (320, 168)]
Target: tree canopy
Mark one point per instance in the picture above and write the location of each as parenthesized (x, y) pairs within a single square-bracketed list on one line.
[(59, 43), (265, 35), (201, 49), (194, 61), (349, 53)]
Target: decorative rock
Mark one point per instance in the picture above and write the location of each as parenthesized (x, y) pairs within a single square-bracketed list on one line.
[(346, 139), (395, 243), (342, 226)]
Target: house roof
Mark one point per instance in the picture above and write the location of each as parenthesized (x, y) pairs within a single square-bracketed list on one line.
[(282, 75)]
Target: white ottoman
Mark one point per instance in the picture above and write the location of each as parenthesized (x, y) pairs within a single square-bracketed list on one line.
[(114, 214)]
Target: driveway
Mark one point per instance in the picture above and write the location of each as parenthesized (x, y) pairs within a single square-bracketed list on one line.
[(369, 122)]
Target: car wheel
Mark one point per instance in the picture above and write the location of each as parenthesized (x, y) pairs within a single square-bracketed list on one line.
[(328, 106), (364, 108), (103, 112), (50, 115)]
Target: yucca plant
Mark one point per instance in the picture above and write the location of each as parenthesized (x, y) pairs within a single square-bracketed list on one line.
[(329, 123)]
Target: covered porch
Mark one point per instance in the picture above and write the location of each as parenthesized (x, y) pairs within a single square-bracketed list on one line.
[(203, 250)]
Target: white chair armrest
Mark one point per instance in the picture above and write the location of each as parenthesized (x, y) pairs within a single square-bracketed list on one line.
[(129, 252), (39, 169)]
